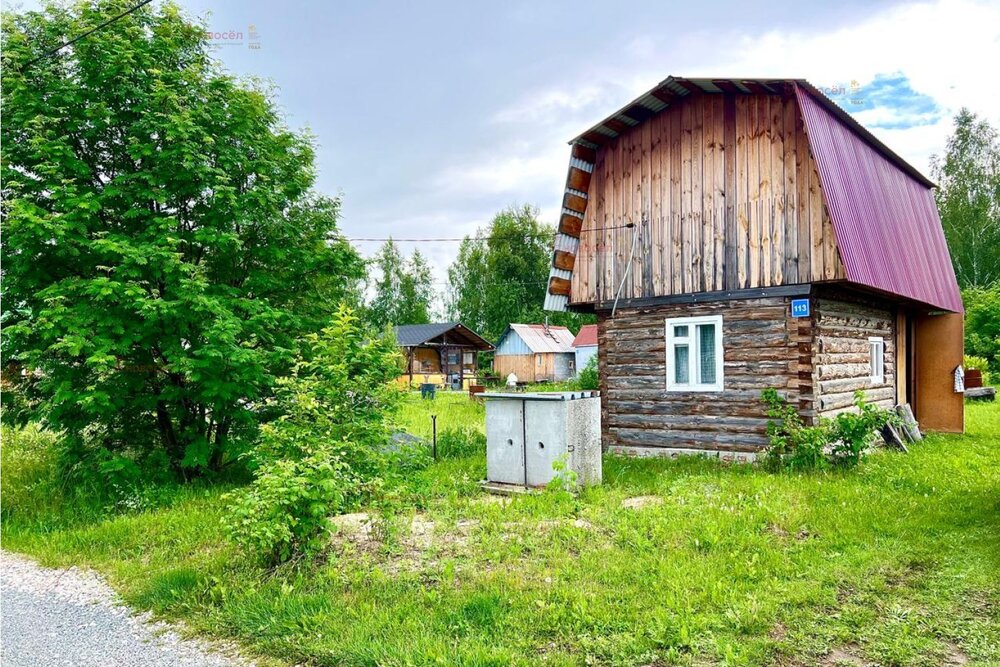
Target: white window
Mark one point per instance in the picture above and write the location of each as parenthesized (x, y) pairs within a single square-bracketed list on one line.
[(694, 353), (876, 359)]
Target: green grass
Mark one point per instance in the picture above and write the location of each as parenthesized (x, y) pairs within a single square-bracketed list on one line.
[(895, 563), (454, 409)]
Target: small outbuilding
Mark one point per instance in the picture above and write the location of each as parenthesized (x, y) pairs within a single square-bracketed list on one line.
[(535, 353), (733, 235), (585, 346), (439, 353)]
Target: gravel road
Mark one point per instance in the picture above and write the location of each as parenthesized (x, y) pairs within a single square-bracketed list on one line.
[(72, 617)]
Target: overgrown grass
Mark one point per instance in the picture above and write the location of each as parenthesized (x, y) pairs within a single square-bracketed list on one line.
[(896, 563), (454, 410)]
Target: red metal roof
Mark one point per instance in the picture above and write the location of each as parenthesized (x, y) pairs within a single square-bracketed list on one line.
[(587, 336), (886, 221)]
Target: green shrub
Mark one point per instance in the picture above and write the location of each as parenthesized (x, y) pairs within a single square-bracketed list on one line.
[(285, 512), (793, 445), (333, 435), (853, 433), (982, 324), (588, 377), (842, 441)]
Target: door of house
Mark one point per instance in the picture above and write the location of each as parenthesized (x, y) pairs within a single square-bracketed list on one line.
[(937, 347)]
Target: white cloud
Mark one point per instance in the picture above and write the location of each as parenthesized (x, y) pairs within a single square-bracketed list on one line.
[(947, 50), (550, 106), (511, 174)]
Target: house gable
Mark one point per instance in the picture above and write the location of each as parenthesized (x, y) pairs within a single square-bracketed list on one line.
[(712, 186)]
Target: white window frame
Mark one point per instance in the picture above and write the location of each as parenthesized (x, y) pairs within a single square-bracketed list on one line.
[(876, 359), (692, 341)]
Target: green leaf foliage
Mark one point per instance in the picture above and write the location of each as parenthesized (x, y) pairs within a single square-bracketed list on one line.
[(968, 197), (500, 275), (588, 377), (843, 440), (404, 290), (330, 447), (982, 324), (163, 250)]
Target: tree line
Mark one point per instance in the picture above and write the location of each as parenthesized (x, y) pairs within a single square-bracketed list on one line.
[(499, 276), (968, 198)]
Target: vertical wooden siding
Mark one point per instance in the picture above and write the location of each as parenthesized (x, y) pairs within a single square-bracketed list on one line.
[(548, 366), (524, 366), (723, 193)]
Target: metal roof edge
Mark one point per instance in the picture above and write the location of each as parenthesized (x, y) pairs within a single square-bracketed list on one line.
[(864, 133)]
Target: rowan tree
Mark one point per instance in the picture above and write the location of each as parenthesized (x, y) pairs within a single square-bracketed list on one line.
[(163, 248)]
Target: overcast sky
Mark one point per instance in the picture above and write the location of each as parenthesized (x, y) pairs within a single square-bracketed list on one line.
[(431, 116)]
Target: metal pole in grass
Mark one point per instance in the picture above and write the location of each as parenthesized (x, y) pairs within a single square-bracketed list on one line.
[(434, 436)]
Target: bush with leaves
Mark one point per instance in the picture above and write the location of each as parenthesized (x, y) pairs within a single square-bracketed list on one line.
[(841, 441), (285, 512), (329, 449), (793, 445), (982, 324), (163, 248), (853, 433), (588, 378)]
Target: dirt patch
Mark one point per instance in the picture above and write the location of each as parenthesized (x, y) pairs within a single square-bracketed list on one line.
[(639, 502), (954, 656), (777, 531), (843, 657), (492, 499), (551, 524), (408, 545), (781, 533), (353, 527)]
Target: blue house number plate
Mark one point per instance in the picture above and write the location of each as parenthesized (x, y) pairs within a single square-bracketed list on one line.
[(800, 307)]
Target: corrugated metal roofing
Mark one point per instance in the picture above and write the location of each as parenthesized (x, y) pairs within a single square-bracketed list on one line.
[(587, 336), (892, 233), (541, 339), (886, 222), (411, 335)]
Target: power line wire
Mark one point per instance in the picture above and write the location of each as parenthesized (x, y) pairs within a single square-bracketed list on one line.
[(479, 238), (86, 33)]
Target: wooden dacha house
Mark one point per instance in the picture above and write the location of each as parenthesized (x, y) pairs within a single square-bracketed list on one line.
[(440, 353), (535, 353), (737, 234)]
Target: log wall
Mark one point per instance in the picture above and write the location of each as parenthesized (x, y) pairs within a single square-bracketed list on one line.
[(724, 194), (763, 346), (816, 362), (841, 354)]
